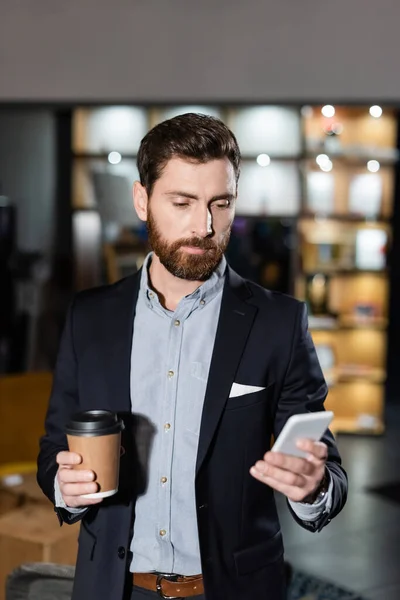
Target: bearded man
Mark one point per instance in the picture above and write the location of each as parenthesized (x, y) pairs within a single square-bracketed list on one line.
[(204, 368)]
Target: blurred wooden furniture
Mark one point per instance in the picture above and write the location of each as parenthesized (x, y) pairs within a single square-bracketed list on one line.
[(32, 534), (29, 529), (19, 489), (345, 234), (122, 259), (23, 405)]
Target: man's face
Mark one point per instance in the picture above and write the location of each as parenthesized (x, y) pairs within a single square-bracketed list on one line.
[(189, 216)]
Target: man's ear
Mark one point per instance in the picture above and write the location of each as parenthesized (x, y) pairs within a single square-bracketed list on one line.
[(140, 200)]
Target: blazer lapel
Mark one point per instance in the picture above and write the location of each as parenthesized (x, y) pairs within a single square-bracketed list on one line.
[(235, 322), (117, 342)]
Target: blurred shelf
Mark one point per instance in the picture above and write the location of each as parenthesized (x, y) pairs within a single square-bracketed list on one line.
[(349, 322), (103, 155), (344, 218), (266, 217), (346, 323), (354, 373), (323, 323), (386, 157), (274, 157), (341, 271), (75, 208), (352, 425), (246, 157)]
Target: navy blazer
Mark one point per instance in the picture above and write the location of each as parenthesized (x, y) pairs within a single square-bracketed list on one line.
[(262, 340)]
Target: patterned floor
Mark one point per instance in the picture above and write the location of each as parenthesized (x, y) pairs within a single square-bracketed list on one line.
[(306, 587)]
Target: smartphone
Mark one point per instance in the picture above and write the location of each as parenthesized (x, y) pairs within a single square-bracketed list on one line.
[(311, 426)]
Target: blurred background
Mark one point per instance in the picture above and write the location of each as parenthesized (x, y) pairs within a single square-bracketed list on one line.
[(311, 92)]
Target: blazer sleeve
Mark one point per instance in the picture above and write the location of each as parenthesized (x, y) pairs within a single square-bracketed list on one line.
[(304, 390), (64, 402)]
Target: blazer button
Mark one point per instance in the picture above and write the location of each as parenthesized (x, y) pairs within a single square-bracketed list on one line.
[(121, 552)]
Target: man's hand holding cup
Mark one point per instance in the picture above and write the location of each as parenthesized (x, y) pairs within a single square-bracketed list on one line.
[(73, 483), (89, 471)]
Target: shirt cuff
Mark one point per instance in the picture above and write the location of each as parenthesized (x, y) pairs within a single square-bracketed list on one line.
[(59, 500), (312, 512)]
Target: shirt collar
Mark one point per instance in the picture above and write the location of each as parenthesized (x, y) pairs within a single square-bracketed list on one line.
[(202, 295)]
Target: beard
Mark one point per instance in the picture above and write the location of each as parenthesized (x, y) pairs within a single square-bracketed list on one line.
[(192, 267)]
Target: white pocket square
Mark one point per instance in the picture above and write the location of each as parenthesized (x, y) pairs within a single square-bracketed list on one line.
[(238, 389)]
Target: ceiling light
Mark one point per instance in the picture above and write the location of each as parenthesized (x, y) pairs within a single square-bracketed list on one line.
[(263, 160), (322, 158), (114, 158), (375, 111), (373, 166), (326, 166), (328, 110)]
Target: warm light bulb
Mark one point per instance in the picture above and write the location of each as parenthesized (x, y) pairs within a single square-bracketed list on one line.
[(328, 110), (375, 111), (373, 166), (326, 166), (114, 158), (263, 160), (322, 158)]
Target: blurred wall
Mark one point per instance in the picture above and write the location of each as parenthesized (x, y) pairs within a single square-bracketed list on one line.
[(27, 173), (250, 50)]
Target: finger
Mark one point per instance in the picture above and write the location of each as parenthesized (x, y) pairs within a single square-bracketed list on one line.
[(79, 502), (317, 450), (286, 477), (295, 494), (74, 476), (68, 458), (289, 463), (78, 489)]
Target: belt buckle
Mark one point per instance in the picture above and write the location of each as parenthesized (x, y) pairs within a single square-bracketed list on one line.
[(168, 577)]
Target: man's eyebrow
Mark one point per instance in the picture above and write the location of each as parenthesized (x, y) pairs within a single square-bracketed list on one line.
[(223, 197), (181, 193), (175, 193)]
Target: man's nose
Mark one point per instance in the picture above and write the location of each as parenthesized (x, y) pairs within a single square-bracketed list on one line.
[(203, 225)]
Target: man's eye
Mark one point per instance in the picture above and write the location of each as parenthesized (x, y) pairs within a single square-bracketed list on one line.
[(224, 204), (181, 204)]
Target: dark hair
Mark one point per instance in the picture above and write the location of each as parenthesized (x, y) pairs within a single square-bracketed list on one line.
[(193, 136)]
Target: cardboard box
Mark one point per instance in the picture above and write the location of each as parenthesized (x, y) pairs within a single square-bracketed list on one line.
[(19, 490), (32, 534)]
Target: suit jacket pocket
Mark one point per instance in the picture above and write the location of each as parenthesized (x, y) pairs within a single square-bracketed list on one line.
[(248, 399), (259, 556)]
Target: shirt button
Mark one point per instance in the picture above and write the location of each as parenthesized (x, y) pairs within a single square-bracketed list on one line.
[(163, 532), (167, 426), (151, 294), (170, 374), (202, 302), (177, 323), (164, 480)]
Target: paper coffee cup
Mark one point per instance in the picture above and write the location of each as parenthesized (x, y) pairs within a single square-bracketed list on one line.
[(96, 436)]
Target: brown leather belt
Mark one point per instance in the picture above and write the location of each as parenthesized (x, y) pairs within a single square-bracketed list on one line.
[(170, 586)]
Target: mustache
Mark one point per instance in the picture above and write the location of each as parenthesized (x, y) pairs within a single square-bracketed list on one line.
[(201, 243)]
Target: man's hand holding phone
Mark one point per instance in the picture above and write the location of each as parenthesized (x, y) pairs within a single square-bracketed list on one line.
[(297, 478), (296, 464)]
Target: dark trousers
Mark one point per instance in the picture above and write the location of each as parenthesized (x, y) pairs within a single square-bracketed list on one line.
[(141, 594)]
